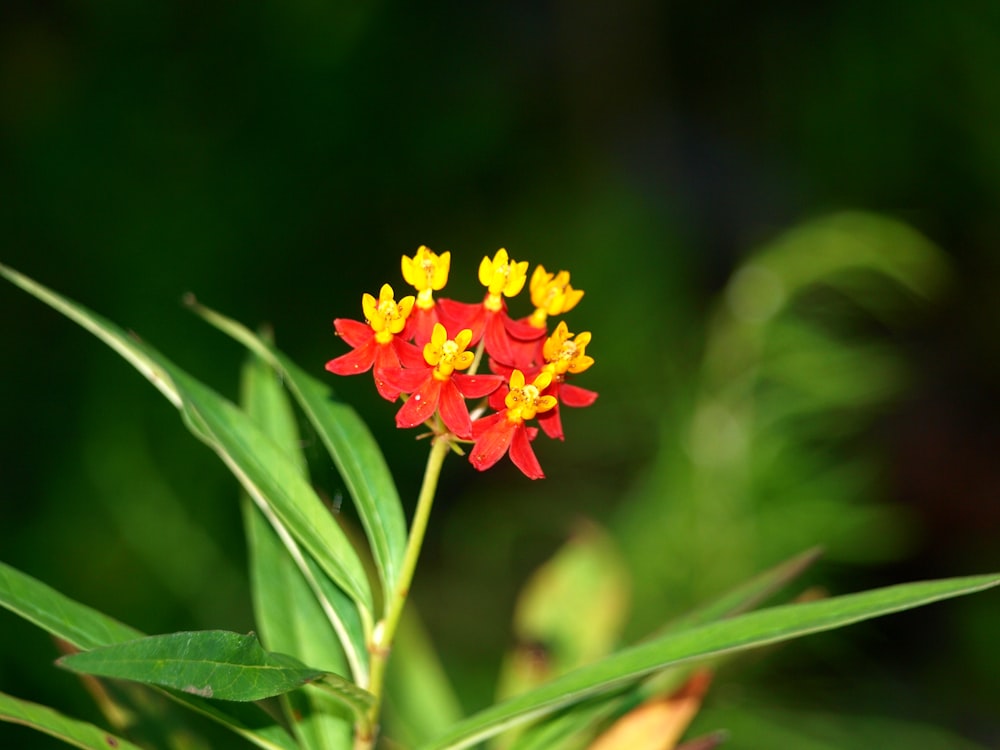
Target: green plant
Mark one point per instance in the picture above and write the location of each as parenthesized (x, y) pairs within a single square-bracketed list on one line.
[(329, 609)]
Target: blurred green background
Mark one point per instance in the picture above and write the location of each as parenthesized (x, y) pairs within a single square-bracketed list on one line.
[(277, 159)]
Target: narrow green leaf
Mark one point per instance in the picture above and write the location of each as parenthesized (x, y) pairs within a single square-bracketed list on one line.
[(263, 470), (54, 613), (71, 731), (743, 632), (573, 727), (267, 403), (108, 332), (290, 609), (350, 444), (272, 480), (748, 595), (210, 664), (86, 628), (565, 728)]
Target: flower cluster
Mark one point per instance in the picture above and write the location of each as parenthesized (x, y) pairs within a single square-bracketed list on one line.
[(428, 351)]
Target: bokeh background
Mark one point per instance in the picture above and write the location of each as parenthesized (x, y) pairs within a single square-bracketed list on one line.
[(277, 159)]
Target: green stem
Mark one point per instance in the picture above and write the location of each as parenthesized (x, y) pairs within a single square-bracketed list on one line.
[(385, 630)]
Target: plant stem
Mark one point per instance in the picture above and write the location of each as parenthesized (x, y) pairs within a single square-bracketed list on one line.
[(385, 630)]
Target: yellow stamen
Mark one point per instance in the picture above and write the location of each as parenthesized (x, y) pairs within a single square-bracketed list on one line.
[(524, 401), (427, 272), (501, 276), (563, 353), (386, 316), (551, 294), (448, 355)]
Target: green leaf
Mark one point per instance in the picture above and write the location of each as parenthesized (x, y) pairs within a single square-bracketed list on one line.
[(350, 444), (210, 664), (748, 595), (265, 472), (71, 731), (743, 632), (86, 628), (290, 608)]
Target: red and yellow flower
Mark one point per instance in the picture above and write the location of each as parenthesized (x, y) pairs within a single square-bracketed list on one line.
[(427, 272), (488, 320), (437, 371), (439, 386), (505, 431), (378, 343)]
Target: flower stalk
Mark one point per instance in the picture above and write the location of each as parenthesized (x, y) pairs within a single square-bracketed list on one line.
[(385, 629)]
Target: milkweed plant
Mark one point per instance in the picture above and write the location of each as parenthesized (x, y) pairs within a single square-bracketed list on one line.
[(474, 381)]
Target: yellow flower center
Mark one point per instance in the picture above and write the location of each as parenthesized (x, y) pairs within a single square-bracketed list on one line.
[(386, 316), (427, 272), (525, 400), (564, 354), (448, 355), (551, 294)]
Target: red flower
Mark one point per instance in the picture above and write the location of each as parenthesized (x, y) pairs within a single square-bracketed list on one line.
[(565, 354), (436, 386), (562, 354), (505, 339), (506, 432), (377, 345)]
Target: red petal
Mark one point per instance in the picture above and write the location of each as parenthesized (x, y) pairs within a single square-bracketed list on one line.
[(491, 442), (575, 396), (483, 424), (525, 355), (454, 412), (458, 315), (353, 332), (498, 396), (477, 386), (420, 326), (498, 343), (520, 329), (408, 354), (406, 380), (354, 362), (421, 405), (551, 423), (385, 360), (523, 457)]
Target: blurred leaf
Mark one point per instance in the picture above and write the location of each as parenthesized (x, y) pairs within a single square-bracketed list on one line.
[(743, 632), (349, 442), (51, 722), (767, 460), (572, 727), (847, 251), (420, 701), (86, 628), (587, 577), (288, 602), (750, 594), (208, 663), (264, 470), (752, 726)]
